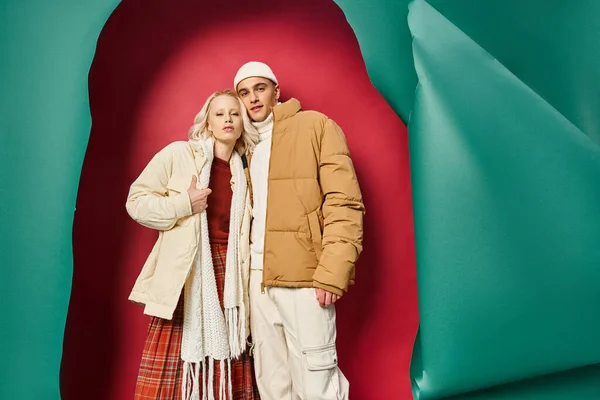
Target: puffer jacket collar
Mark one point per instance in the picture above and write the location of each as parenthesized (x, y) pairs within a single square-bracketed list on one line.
[(286, 110)]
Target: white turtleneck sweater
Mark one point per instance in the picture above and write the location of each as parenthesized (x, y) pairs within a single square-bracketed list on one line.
[(259, 173)]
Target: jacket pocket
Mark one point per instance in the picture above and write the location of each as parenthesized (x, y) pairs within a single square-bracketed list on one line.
[(314, 225), (178, 185), (175, 187), (320, 358)]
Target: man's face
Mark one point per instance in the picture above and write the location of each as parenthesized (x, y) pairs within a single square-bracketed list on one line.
[(259, 95)]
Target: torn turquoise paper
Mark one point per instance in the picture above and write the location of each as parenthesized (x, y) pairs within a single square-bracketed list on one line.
[(506, 193)]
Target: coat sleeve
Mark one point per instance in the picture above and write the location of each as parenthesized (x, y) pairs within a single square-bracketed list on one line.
[(148, 202), (343, 212)]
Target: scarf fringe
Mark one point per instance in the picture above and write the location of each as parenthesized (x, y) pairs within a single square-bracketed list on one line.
[(222, 387), (196, 382), (186, 384), (235, 320), (190, 386), (204, 396), (229, 384)]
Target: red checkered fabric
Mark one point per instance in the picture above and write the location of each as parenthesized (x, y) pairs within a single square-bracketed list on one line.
[(161, 369)]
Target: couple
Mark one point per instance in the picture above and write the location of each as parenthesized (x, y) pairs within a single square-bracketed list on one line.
[(260, 217)]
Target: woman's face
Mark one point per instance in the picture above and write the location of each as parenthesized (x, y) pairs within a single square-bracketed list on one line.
[(225, 119)]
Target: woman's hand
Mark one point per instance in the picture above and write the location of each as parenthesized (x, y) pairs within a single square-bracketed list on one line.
[(198, 197)]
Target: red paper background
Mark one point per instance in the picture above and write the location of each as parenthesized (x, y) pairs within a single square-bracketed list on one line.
[(156, 63)]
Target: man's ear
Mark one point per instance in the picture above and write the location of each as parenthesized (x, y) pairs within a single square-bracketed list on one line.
[(277, 92)]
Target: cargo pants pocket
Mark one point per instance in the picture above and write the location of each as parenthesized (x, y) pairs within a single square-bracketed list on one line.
[(322, 377)]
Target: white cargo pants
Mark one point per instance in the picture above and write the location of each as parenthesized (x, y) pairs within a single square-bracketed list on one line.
[(294, 355)]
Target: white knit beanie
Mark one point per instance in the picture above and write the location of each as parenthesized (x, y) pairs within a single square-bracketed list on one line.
[(254, 68)]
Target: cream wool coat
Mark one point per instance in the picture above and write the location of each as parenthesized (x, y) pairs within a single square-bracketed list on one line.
[(158, 200)]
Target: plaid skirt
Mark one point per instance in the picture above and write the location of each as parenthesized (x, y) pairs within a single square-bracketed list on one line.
[(161, 369)]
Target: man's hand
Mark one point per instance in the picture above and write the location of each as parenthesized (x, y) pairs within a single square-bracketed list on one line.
[(198, 196), (326, 298)]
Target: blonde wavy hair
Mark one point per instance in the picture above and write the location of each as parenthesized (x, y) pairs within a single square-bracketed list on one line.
[(199, 130)]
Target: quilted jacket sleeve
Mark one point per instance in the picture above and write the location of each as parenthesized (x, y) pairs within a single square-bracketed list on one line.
[(343, 212), (148, 202)]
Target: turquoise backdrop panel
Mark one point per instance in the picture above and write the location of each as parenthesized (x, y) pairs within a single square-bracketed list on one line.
[(506, 192), (551, 45), (47, 48), (385, 43)]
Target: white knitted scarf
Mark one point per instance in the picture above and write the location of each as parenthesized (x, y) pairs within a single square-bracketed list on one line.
[(209, 332)]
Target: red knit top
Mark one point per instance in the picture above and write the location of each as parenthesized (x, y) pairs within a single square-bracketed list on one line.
[(219, 201)]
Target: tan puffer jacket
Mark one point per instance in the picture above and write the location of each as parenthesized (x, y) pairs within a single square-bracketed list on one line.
[(314, 223)]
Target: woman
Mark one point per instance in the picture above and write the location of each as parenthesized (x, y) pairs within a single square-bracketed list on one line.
[(194, 283)]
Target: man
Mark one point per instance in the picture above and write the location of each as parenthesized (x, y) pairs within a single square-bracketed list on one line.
[(306, 237)]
